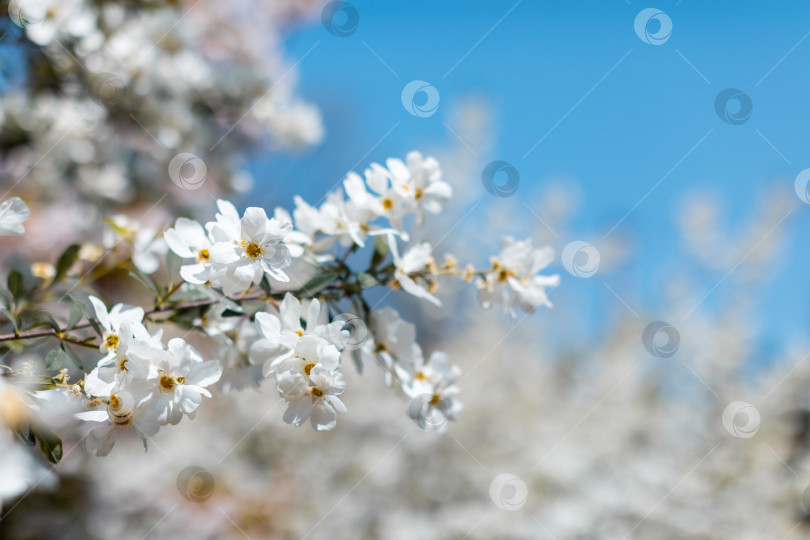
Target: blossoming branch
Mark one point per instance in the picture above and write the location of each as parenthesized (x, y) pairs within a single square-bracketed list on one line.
[(277, 296)]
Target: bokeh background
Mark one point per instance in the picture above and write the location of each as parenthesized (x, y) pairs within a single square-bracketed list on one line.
[(618, 139)]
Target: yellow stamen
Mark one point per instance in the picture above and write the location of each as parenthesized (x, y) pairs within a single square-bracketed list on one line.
[(111, 341), (253, 250)]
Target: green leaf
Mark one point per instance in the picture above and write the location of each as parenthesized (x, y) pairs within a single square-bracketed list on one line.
[(367, 280), (50, 442), (7, 297), (146, 281), (7, 312), (48, 319), (173, 263), (15, 285), (318, 283), (25, 435), (66, 260), (380, 251), (55, 359), (96, 327), (265, 285), (75, 316), (73, 356)]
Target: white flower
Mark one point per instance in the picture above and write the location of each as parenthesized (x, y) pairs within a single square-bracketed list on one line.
[(147, 250), (514, 277), (238, 370), (244, 251), (181, 378), (13, 213), (19, 468), (387, 203), (410, 267), (111, 321), (297, 241), (394, 343), (314, 397), (189, 240), (118, 365), (128, 406), (281, 332), (346, 221), (433, 391), (309, 352), (421, 183)]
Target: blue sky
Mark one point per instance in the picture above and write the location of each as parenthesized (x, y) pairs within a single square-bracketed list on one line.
[(613, 113)]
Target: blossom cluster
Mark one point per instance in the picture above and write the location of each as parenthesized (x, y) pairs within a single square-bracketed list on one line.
[(123, 88), (282, 298), (141, 383)]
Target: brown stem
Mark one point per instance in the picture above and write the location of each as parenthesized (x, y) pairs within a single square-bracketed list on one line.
[(46, 332)]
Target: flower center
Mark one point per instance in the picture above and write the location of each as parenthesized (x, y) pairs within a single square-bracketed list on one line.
[(419, 194), (111, 341), (203, 255), (253, 250), (434, 400), (118, 414), (122, 364), (166, 383), (308, 368), (504, 274), (315, 391), (388, 204)]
